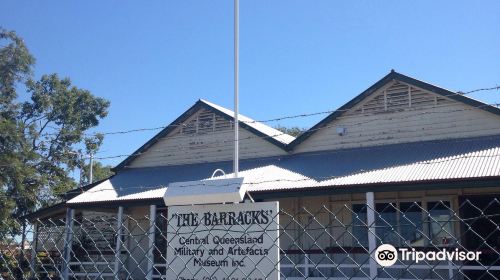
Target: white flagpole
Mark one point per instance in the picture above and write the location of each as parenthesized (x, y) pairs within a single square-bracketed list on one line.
[(236, 70)]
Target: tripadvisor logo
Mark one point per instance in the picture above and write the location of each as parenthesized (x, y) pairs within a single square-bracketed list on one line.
[(387, 255)]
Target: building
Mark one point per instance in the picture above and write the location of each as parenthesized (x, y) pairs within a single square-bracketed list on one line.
[(430, 157)]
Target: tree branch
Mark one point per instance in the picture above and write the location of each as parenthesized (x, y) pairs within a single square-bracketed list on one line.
[(34, 146)]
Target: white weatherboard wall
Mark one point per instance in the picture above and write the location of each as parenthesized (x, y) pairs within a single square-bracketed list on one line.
[(388, 117), (209, 145)]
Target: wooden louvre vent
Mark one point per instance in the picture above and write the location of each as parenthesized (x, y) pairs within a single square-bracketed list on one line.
[(205, 122), (399, 97)]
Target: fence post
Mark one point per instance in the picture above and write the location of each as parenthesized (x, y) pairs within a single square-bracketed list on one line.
[(119, 225), (372, 241), (152, 228), (68, 242)]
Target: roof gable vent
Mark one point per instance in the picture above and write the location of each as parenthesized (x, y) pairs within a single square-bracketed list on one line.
[(205, 122)]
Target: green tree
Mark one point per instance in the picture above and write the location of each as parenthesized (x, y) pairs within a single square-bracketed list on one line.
[(293, 131), (16, 65), (41, 137)]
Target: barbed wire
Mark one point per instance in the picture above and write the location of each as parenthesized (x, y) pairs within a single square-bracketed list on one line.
[(459, 93), (295, 116), (178, 148), (479, 89), (251, 137), (226, 142)]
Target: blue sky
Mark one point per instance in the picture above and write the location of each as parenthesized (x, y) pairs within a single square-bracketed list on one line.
[(154, 59)]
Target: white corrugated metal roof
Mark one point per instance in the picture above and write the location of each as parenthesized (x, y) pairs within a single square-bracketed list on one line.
[(105, 191), (401, 163), (478, 164), (265, 129)]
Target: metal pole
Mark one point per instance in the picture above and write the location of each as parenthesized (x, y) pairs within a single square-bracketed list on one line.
[(236, 74), (152, 229), (372, 241), (119, 225), (68, 242), (91, 177)]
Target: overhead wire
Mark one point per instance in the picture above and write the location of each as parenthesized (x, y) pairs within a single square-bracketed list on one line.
[(459, 93), (228, 141), (297, 116)]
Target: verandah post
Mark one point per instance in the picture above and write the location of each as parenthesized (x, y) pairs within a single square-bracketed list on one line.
[(34, 245), (372, 241), (119, 226), (152, 229), (68, 241)]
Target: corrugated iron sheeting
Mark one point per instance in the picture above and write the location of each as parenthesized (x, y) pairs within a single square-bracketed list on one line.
[(409, 162), (265, 129)]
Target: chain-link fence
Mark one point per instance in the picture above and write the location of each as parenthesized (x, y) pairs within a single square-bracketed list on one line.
[(430, 239)]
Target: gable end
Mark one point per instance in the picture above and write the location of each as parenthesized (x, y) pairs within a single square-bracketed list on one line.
[(208, 120), (398, 98)]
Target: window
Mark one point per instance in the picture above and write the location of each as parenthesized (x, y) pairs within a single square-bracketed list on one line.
[(403, 223), (359, 229), (386, 221), (411, 224), (440, 227)]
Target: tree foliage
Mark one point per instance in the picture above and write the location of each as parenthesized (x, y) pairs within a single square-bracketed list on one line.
[(42, 135), (15, 66), (293, 131)]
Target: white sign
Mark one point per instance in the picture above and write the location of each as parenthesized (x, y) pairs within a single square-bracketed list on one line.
[(205, 192), (223, 242)]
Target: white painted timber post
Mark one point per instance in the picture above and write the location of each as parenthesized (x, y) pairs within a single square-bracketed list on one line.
[(118, 247), (152, 229), (450, 270), (306, 266), (68, 241), (372, 241), (34, 244)]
